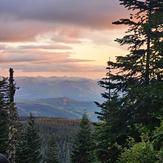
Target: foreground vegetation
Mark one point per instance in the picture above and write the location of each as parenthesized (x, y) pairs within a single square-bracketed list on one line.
[(56, 135), (131, 118)]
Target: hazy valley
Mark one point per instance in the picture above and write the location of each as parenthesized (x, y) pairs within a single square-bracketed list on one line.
[(57, 97)]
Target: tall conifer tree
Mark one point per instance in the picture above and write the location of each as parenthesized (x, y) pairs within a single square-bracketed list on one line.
[(34, 141), (22, 149), (8, 117), (137, 78), (4, 116), (51, 154), (13, 118), (29, 144), (109, 131), (83, 151), (140, 74)]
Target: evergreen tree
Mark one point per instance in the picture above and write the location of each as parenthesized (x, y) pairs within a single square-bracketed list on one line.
[(83, 149), (137, 78), (13, 119), (158, 143), (51, 154), (8, 117), (22, 148), (141, 70), (29, 145), (4, 116), (33, 140), (108, 130)]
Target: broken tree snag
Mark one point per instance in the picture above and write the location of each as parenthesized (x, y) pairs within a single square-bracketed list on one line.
[(11, 85)]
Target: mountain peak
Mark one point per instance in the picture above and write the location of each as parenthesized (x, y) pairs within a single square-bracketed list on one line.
[(65, 100)]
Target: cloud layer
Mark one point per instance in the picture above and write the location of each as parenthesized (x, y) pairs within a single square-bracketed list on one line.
[(41, 35), (22, 20), (93, 13)]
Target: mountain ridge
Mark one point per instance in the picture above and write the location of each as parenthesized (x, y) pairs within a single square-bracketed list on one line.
[(62, 107), (81, 89)]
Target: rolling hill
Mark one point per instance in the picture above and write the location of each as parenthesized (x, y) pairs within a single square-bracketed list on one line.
[(57, 107)]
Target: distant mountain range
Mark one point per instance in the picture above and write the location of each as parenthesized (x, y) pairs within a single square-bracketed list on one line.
[(57, 97), (58, 107), (80, 89)]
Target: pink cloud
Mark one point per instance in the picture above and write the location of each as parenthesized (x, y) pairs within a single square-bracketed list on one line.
[(24, 20)]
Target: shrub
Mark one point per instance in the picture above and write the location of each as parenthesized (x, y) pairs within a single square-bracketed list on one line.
[(142, 152)]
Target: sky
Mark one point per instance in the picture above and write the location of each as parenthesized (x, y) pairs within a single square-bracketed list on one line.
[(59, 37)]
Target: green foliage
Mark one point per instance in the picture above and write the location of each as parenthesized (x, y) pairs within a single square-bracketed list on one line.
[(29, 146), (22, 149), (13, 131), (158, 138), (52, 153), (3, 130), (8, 117), (142, 152), (4, 116), (83, 149), (109, 131), (134, 80), (157, 141), (34, 142)]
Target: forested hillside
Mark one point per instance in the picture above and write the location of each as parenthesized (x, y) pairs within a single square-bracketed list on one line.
[(63, 131)]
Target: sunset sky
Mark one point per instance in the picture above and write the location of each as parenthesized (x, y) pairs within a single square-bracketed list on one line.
[(59, 37)]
